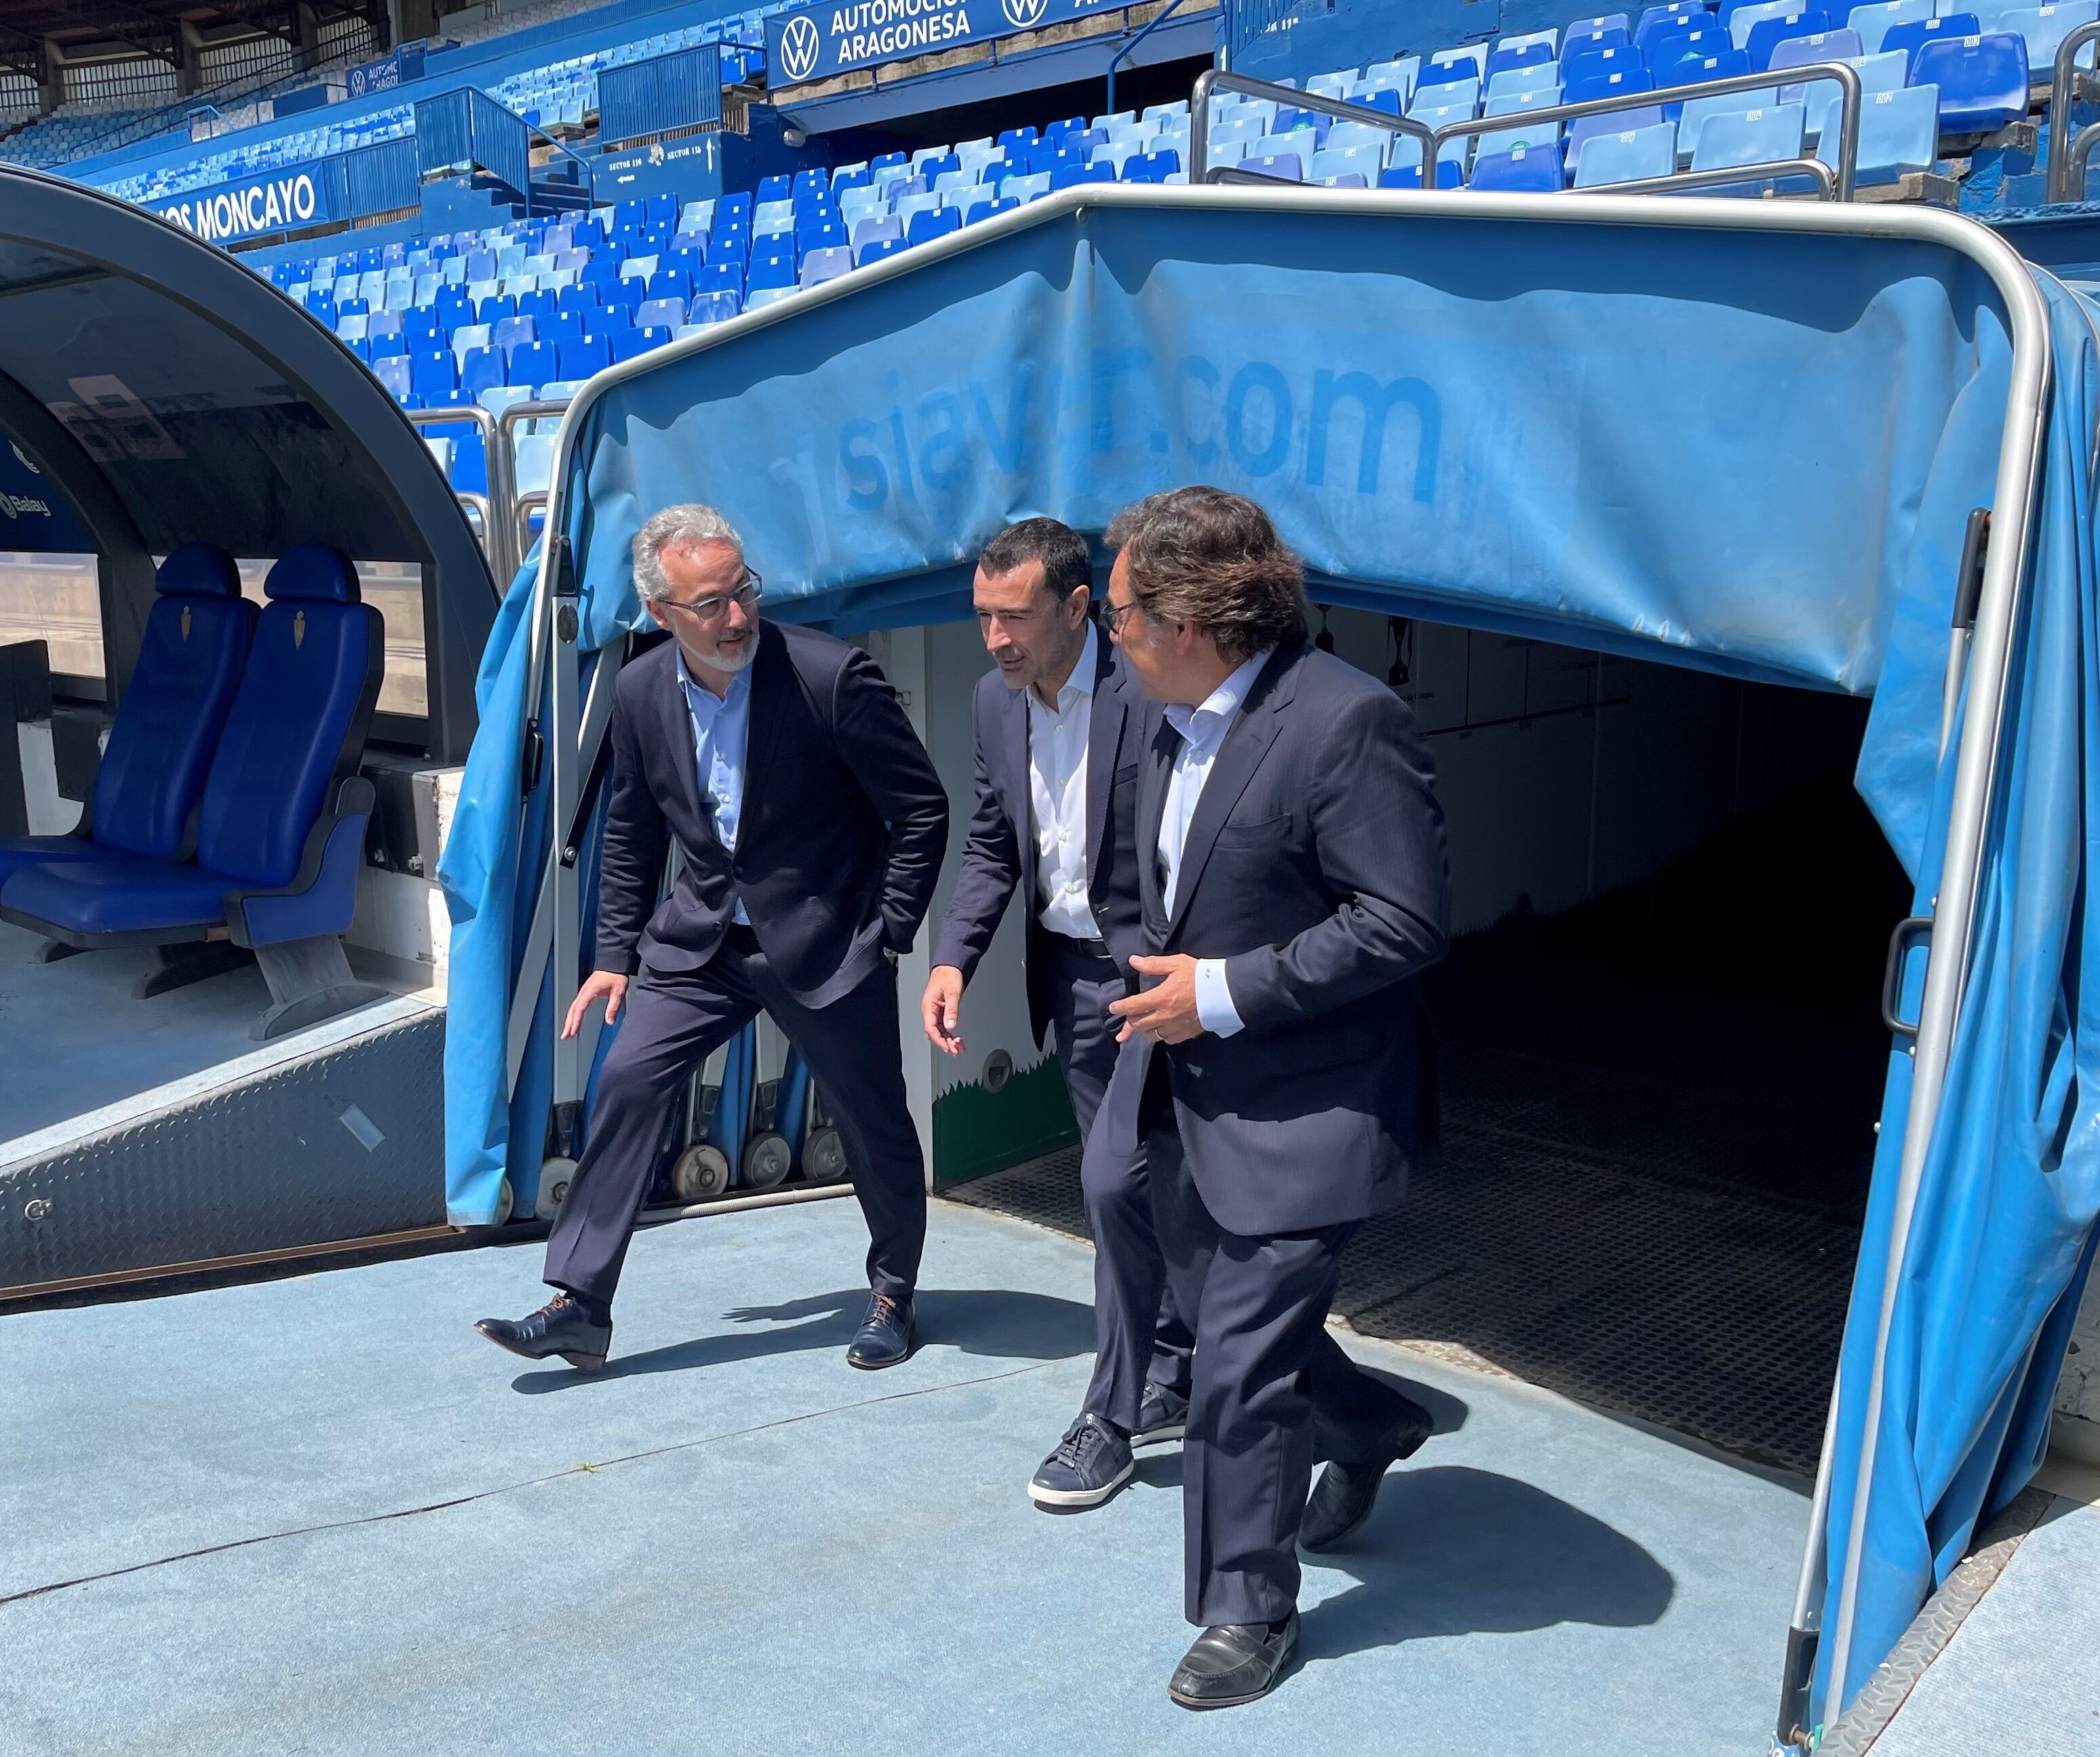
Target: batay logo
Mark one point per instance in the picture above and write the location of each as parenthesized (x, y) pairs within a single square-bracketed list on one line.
[(800, 48), (14, 506), (1024, 14)]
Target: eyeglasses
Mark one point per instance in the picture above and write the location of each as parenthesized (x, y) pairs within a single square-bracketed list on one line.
[(707, 612), (1113, 615)]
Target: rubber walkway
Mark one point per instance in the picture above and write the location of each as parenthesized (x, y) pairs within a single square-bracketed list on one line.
[(319, 1515)]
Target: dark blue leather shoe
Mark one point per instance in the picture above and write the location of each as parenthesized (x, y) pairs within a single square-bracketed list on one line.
[(1161, 1416), (1343, 1497), (1233, 1664), (885, 1335), (558, 1328), (1092, 1462)]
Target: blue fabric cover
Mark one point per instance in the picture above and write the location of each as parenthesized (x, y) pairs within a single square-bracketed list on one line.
[(313, 571), (199, 570)]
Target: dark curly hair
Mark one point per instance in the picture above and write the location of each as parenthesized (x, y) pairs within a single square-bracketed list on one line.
[(1203, 556)]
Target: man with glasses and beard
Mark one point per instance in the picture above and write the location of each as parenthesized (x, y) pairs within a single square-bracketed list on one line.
[(812, 825)]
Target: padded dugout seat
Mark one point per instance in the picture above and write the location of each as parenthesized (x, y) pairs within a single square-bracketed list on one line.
[(281, 824), (167, 724)]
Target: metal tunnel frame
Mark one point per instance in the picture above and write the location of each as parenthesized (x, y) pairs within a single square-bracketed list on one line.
[(575, 736)]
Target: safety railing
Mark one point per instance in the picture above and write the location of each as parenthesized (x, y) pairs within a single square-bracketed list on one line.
[(495, 541), (1124, 53), (524, 502), (587, 187), (1212, 82), (2068, 153), (1832, 182)]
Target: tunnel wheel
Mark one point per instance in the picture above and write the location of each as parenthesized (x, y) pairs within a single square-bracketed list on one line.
[(767, 1160), (824, 1156), (554, 1176), (701, 1174)]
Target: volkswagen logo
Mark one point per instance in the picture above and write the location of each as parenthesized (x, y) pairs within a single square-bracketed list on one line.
[(799, 46), (1022, 14)]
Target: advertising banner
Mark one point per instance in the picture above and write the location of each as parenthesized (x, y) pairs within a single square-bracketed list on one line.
[(254, 207), (839, 36)]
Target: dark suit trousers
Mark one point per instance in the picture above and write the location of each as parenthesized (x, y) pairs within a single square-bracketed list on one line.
[(672, 1022), (1139, 1334), (1273, 1392)]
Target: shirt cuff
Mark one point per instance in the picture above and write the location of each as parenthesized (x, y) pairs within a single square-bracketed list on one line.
[(1214, 998)]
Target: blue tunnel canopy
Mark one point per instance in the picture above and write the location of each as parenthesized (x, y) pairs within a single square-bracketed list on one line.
[(1743, 436)]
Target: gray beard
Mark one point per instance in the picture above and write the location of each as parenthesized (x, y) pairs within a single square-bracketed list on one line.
[(729, 668)]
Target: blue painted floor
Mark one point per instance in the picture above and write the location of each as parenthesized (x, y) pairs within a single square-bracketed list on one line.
[(2021, 1677), (321, 1515)]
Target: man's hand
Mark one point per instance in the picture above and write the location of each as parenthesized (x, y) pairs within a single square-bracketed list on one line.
[(940, 1008), (1166, 1011), (600, 985)]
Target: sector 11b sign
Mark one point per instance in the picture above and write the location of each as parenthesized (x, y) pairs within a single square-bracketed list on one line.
[(816, 41)]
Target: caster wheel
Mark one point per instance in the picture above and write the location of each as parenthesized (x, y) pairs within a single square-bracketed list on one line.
[(506, 1201), (554, 1176), (824, 1156), (767, 1160), (701, 1174)]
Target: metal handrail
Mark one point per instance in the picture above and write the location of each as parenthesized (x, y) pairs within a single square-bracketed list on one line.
[(1151, 25), (589, 187), (1847, 79), (503, 559), (2067, 155), (1213, 81)]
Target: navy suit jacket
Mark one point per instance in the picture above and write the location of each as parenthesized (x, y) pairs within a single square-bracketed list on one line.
[(839, 841), (1315, 866), (1001, 855)]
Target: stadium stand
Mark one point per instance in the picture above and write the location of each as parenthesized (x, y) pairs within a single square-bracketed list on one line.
[(525, 309)]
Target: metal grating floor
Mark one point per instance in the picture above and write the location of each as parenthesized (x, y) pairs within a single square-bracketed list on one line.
[(1656, 1139)]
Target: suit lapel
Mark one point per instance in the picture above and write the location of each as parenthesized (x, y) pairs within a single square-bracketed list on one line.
[(772, 681), (1104, 746), (1010, 772), (1151, 809), (1246, 742)]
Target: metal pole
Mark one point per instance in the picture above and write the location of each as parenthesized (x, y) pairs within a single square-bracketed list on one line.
[(2062, 93), (1152, 23), (1954, 908)]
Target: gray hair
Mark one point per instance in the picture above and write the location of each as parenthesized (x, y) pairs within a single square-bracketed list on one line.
[(676, 528)]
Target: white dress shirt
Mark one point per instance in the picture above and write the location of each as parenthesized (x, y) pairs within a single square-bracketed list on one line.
[(1203, 729), (1057, 797), (721, 732)]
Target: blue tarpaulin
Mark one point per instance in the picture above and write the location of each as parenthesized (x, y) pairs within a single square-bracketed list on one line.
[(1749, 451)]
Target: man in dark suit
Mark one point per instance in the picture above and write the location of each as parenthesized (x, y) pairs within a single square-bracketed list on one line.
[(1057, 747), (1278, 1062), (812, 825)]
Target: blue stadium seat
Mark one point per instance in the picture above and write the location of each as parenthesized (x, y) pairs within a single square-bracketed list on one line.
[(668, 284), (1983, 80), (280, 822), (1155, 167), (1614, 83), (395, 372), (659, 314), (720, 277), (167, 721), (1912, 37), (714, 308), (829, 264), (609, 319), (1534, 170), (1449, 175), (1448, 73), (1071, 176), (433, 378), (535, 363), (584, 298), (630, 343), (1763, 136), (483, 369), (1659, 22), (1287, 167), (775, 188), (539, 304), (1767, 34), (582, 356), (1875, 20), (1581, 40), (1629, 156), (978, 210), (511, 333), (1012, 137), (1531, 54), (495, 308), (561, 326), (924, 227), (454, 307)]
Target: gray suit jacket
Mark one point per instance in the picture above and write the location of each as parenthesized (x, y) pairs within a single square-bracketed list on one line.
[(1315, 866)]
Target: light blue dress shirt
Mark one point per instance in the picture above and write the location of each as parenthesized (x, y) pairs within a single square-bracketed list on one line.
[(1203, 729), (721, 732)]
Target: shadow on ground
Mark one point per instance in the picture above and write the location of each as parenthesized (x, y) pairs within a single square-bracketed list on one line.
[(991, 1323)]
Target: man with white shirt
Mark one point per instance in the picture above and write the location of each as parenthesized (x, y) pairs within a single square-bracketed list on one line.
[(812, 823), (1058, 745), (1277, 1069)]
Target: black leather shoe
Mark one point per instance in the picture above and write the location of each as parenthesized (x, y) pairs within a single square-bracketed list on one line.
[(1161, 1417), (1237, 1663), (558, 1328), (886, 1336), (1343, 1497)]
